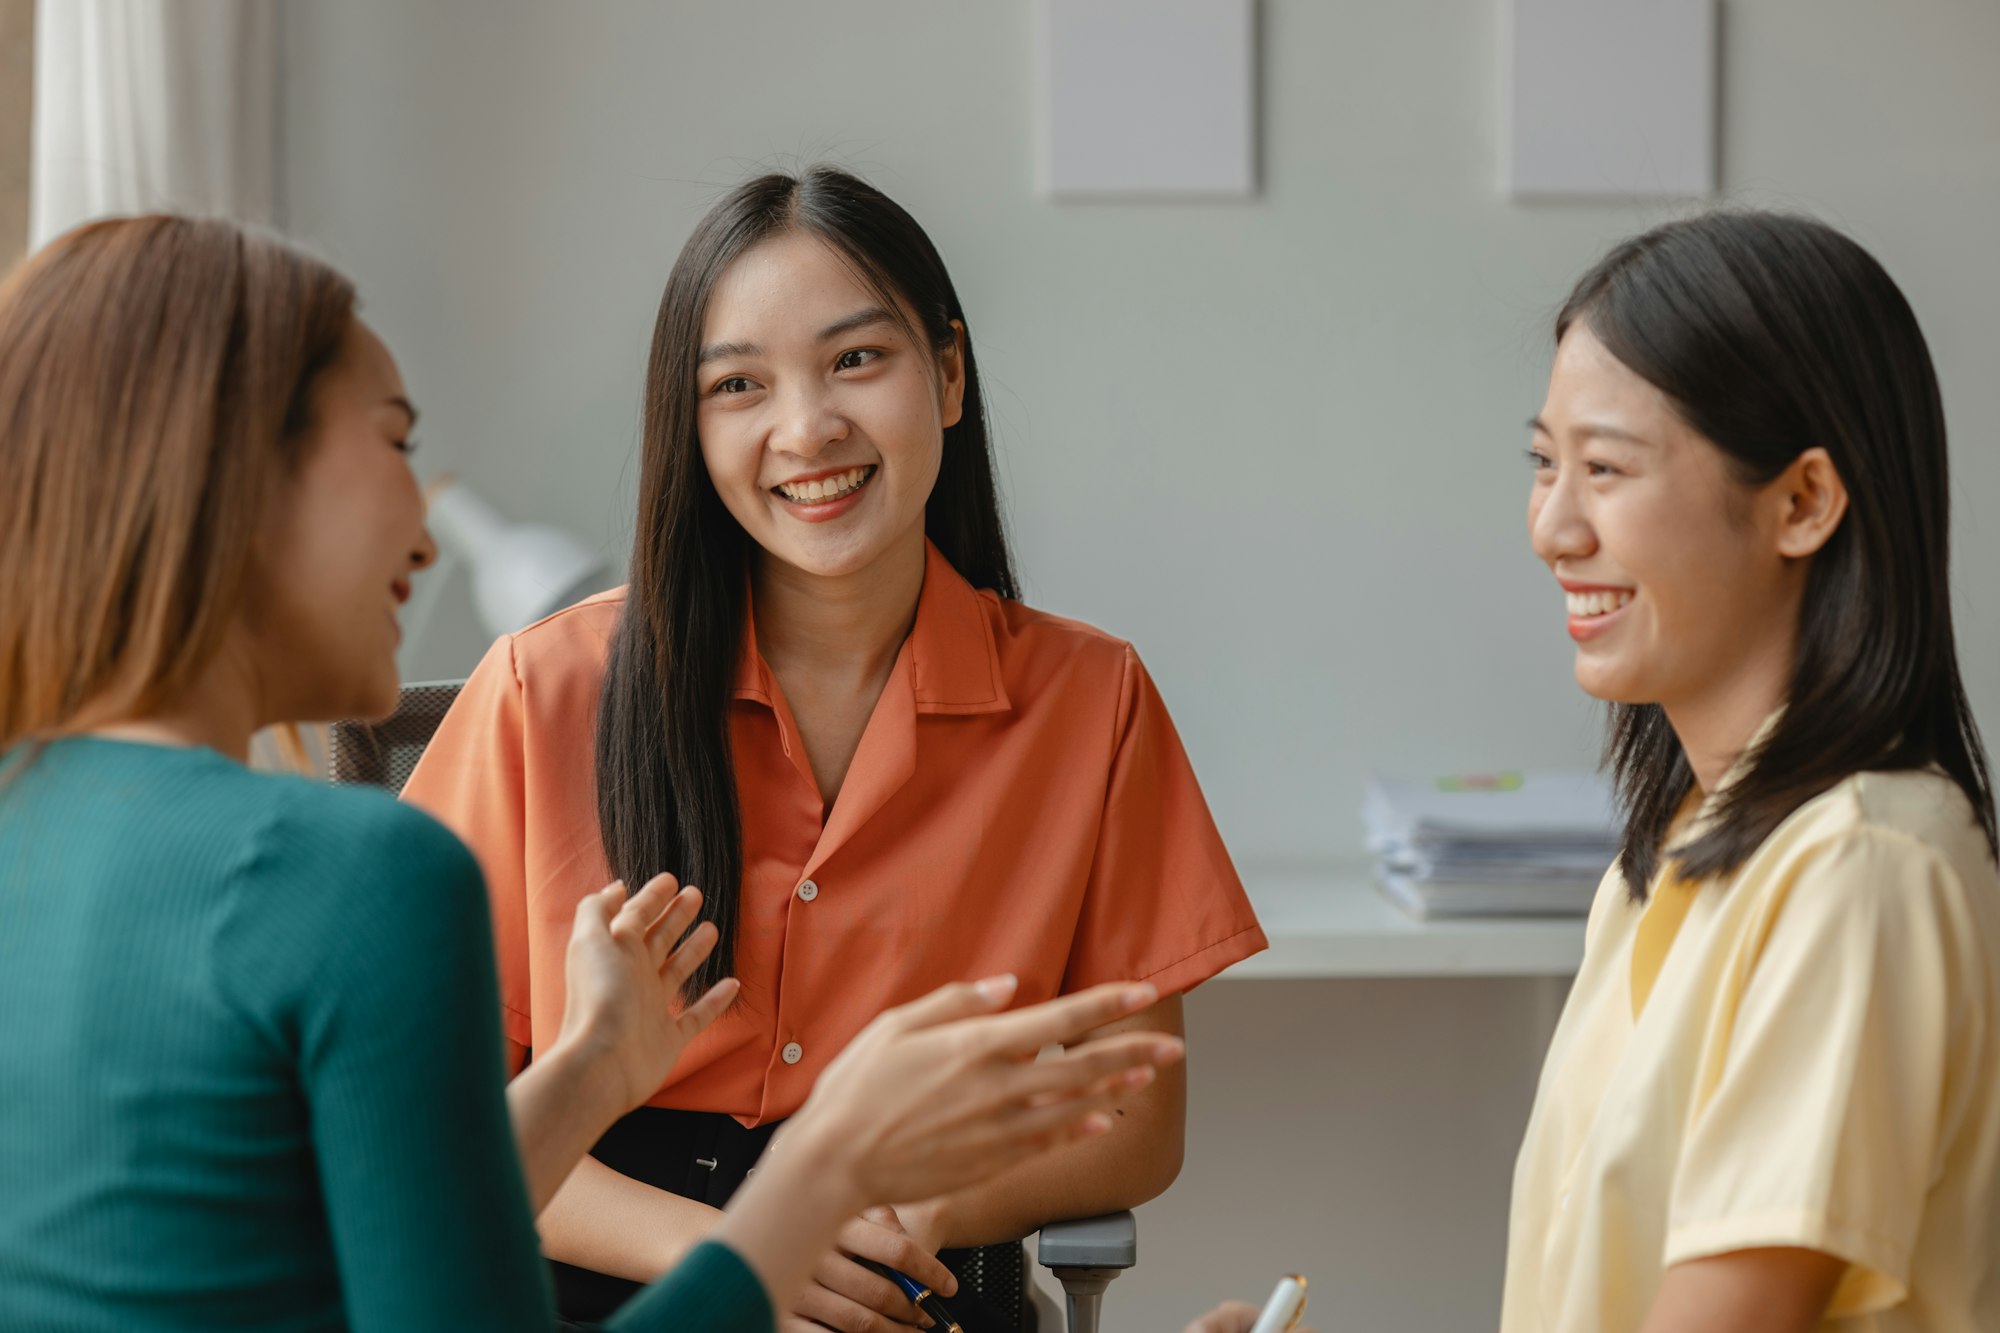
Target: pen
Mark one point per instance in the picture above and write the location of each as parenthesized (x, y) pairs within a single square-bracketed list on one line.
[(920, 1296), (1282, 1311)]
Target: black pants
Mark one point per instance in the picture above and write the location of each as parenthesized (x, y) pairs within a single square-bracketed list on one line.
[(705, 1156)]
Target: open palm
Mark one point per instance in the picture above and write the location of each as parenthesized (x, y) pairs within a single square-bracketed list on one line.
[(623, 974)]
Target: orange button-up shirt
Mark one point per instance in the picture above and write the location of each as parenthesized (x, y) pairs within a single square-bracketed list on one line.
[(1019, 803)]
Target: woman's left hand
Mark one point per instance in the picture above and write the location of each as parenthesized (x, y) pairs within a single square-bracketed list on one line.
[(622, 979)]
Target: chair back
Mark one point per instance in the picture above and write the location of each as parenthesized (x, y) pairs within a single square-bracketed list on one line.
[(383, 754), (999, 1273)]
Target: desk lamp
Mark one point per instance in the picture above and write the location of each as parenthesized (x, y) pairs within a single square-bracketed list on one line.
[(520, 571)]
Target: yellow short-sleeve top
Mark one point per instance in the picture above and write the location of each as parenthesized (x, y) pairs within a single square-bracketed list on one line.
[(1805, 1053)]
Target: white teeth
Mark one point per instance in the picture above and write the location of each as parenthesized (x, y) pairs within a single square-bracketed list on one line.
[(825, 488), (1587, 604)]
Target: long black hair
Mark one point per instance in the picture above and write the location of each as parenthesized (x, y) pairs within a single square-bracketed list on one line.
[(666, 783), (1772, 334)]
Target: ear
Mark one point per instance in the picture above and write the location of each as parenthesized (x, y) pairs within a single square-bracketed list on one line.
[(951, 376), (1811, 500)]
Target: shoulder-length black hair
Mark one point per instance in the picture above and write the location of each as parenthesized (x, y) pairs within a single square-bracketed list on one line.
[(666, 783), (1772, 334)]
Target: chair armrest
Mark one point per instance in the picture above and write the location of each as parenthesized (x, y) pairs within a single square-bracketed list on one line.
[(1110, 1241), (1085, 1255)]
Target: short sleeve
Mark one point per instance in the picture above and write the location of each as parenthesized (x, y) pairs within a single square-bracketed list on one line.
[(1824, 1127), (1163, 903), (472, 778)]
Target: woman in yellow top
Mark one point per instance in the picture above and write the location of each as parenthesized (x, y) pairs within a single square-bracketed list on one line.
[(1773, 1101)]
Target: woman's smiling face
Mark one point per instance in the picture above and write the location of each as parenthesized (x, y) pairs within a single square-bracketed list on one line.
[(822, 412), (1673, 570), (341, 544)]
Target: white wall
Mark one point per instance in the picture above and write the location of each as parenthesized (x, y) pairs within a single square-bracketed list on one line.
[(1275, 443)]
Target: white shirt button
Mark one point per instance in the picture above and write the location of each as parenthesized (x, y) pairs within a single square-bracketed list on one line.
[(793, 1053), (808, 891)]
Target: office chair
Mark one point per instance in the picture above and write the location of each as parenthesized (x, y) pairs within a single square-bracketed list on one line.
[(1085, 1254)]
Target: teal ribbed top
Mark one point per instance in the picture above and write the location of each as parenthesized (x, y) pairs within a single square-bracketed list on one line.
[(250, 1068)]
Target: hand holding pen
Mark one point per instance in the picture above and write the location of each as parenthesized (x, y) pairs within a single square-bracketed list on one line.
[(929, 1098), (1281, 1314), (919, 1295)]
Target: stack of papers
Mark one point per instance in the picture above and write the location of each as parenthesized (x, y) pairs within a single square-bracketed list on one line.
[(1492, 844)]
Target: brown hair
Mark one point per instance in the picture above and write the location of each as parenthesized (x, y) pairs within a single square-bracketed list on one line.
[(155, 376)]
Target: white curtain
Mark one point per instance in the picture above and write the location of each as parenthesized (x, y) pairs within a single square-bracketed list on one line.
[(150, 105)]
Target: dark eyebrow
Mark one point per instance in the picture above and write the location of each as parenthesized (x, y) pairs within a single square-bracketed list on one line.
[(718, 351), (860, 319), (1596, 431), (408, 410)]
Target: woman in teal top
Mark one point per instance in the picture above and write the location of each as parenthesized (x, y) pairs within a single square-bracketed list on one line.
[(251, 1068), (284, 1031)]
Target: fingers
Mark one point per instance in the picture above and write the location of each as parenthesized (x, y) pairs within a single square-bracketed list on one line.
[(869, 1240), (1029, 1126), (594, 911), (667, 926), (714, 1002), (821, 1309), (829, 1309), (1080, 1066), (682, 962), (874, 1297), (947, 1004), (1064, 1020), (1033, 1124), (657, 915), (1017, 1133), (650, 901), (1228, 1317)]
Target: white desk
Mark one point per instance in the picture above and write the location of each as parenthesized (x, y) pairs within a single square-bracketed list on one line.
[(1330, 920)]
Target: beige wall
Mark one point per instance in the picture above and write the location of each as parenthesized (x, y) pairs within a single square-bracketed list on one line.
[(17, 75)]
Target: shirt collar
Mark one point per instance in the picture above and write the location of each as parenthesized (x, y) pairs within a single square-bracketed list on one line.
[(954, 660), (1705, 809)]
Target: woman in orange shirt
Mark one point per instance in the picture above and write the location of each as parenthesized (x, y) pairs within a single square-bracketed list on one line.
[(819, 700)]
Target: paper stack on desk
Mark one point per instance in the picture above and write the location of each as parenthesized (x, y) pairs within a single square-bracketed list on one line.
[(1493, 844)]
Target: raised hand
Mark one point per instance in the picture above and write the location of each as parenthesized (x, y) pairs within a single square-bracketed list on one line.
[(622, 979), (942, 1093), (931, 1097)]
